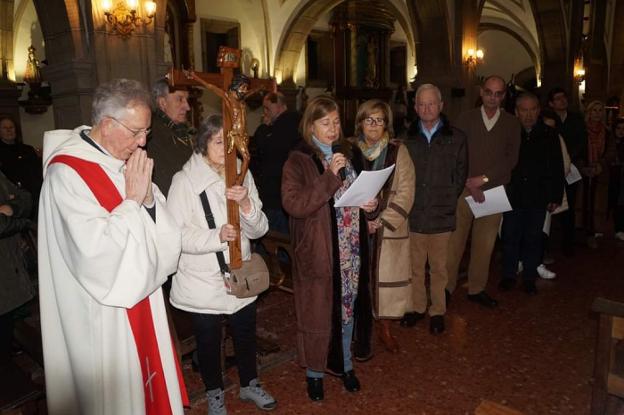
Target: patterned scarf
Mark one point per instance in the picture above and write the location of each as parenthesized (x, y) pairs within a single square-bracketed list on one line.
[(596, 141), (182, 132), (375, 152), (348, 224)]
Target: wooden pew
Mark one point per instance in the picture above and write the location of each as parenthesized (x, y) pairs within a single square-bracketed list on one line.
[(608, 385), (277, 246)]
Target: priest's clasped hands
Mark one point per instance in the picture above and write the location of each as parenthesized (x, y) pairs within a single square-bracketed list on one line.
[(138, 175)]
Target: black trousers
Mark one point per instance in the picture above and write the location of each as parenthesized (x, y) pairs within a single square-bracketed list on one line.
[(619, 218), (590, 186), (208, 329), (6, 337), (522, 241)]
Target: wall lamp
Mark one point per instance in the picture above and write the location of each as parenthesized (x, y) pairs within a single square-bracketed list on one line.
[(124, 17), (473, 57)]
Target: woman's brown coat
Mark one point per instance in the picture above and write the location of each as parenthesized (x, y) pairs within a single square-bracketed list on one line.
[(391, 269), (307, 196)]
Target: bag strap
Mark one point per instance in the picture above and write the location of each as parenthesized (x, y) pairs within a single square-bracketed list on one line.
[(211, 225)]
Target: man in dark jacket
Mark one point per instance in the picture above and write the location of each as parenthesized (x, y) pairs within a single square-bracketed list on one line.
[(571, 126), (438, 151), (170, 142), (536, 186), (272, 142)]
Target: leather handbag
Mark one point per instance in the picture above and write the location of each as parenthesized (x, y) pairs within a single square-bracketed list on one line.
[(248, 281)]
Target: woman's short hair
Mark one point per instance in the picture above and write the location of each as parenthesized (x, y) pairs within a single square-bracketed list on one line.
[(370, 107), (317, 108), (111, 99), (209, 127)]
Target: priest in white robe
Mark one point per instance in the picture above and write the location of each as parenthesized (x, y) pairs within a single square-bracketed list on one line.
[(106, 245)]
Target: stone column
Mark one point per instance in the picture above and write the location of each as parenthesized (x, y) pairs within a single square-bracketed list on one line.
[(353, 55), (9, 94), (6, 34)]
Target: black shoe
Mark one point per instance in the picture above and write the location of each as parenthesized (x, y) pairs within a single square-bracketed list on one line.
[(350, 381), (447, 297), (315, 388), (530, 288), (410, 319), (483, 299), (506, 284), (436, 325)]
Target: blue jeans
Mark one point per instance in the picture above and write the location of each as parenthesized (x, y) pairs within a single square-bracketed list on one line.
[(347, 335)]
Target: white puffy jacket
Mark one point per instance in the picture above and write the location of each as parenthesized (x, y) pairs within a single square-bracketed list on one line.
[(198, 285)]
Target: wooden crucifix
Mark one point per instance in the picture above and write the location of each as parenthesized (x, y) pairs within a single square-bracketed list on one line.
[(232, 91)]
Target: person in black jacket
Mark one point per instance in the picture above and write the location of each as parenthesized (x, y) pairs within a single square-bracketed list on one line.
[(439, 153), (18, 161), (536, 186), (271, 143), (571, 126)]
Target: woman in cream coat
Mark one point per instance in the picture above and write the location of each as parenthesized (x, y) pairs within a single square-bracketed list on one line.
[(198, 285)]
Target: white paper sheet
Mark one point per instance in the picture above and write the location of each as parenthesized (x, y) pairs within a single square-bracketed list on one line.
[(547, 223), (364, 188), (574, 175), (495, 202)]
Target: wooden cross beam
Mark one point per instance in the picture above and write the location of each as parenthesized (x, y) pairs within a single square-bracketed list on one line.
[(234, 124)]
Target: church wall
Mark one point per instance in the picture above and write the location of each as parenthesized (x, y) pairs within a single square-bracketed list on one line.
[(249, 14), (504, 55), (27, 31)]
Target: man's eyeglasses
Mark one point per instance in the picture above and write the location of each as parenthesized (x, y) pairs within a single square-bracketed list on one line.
[(374, 121), (134, 132), (497, 94)]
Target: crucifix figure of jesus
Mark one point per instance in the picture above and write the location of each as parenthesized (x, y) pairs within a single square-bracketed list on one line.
[(233, 90), (234, 100)]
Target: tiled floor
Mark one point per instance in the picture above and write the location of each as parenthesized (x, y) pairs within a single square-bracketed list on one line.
[(533, 354)]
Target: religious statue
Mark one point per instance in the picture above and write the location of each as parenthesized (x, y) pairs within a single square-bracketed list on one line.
[(32, 74), (234, 99)]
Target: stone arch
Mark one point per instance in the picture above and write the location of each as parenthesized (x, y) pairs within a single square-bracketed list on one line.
[(535, 57), (555, 42), (299, 26), (66, 27), (519, 23)]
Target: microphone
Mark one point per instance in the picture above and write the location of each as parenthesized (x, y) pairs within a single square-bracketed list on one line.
[(336, 149)]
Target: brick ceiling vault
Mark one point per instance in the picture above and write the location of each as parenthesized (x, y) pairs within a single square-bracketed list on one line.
[(299, 27)]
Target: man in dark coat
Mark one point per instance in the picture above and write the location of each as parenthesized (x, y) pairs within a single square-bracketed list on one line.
[(536, 186), (170, 142), (441, 162), (271, 143), (571, 126)]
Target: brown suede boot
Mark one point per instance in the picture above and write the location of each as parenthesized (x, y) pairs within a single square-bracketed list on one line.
[(387, 339)]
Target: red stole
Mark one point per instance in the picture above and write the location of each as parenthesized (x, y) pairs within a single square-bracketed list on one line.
[(139, 316)]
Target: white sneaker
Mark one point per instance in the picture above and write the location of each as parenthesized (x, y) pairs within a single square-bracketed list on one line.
[(216, 402), (545, 273), (620, 236), (254, 393)]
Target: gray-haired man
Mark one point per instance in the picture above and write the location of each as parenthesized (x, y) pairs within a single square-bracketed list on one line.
[(106, 244), (439, 154), (170, 144)]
